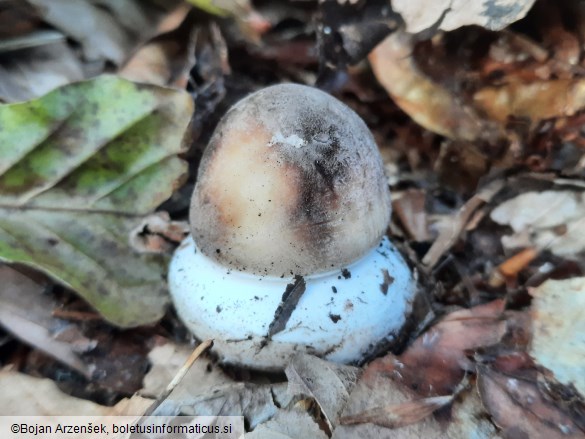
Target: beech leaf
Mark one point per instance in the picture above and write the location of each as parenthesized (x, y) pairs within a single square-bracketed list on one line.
[(79, 169)]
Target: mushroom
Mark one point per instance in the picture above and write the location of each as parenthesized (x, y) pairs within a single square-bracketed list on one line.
[(288, 251)]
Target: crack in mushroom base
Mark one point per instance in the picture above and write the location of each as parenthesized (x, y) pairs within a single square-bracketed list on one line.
[(341, 316)]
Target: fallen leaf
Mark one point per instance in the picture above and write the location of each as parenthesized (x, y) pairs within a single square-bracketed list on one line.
[(168, 58), (79, 168), (449, 235), (558, 329), (519, 409), (437, 361), (468, 418), (548, 220), (158, 234), (257, 403), (379, 391), (447, 15), (535, 101), (399, 415), (410, 208), (33, 71), (288, 424), (26, 314), (428, 103), (23, 395), (167, 359), (328, 383), (104, 33)]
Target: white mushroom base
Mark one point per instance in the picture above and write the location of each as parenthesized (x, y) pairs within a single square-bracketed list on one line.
[(341, 316)]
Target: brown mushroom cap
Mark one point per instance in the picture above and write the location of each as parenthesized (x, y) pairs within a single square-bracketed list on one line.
[(291, 183)]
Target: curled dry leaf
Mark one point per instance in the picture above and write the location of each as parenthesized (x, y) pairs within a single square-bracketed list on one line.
[(386, 391), (548, 220), (558, 320), (79, 168), (328, 383), (437, 361), (449, 235), (427, 102), (399, 415), (519, 409), (158, 234), (534, 101), (420, 15)]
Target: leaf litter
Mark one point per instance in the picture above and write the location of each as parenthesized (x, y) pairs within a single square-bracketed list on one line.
[(470, 109)]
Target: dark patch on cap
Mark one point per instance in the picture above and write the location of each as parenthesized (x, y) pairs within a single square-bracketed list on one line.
[(218, 309), (334, 290), (334, 317), (346, 273), (388, 280)]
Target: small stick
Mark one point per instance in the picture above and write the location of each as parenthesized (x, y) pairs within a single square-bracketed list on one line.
[(178, 377)]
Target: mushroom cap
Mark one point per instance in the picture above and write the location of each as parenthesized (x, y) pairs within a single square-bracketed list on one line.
[(291, 182)]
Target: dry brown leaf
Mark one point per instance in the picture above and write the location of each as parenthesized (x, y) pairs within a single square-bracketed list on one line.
[(257, 403), (548, 220), (436, 362), (428, 103), (558, 325), (519, 409), (328, 383), (288, 424), (383, 390), (158, 234), (421, 15), (449, 236), (23, 395), (535, 101), (410, 208), (167, 359), (26, 313), (468, 418), (399, 415)]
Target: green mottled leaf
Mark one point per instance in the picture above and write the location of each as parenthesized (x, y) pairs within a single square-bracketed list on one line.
[(79, 168)]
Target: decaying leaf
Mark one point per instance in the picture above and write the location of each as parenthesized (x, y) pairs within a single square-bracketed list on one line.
[(79, 168), (427, 102), (329, 384), (33, 71), (105, 33), (26, 313), (468, 418), (295, 423), (449, 235), (381, 391), (548, 220), (436, 362), (535, 101), (158, 234), (23, 395), (518, 408), (399, 415), (167, 359), (447, 15), (257, 403), (558, 320)]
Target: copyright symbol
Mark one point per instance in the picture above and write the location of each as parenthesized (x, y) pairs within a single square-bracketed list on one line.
[(15, 428)]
